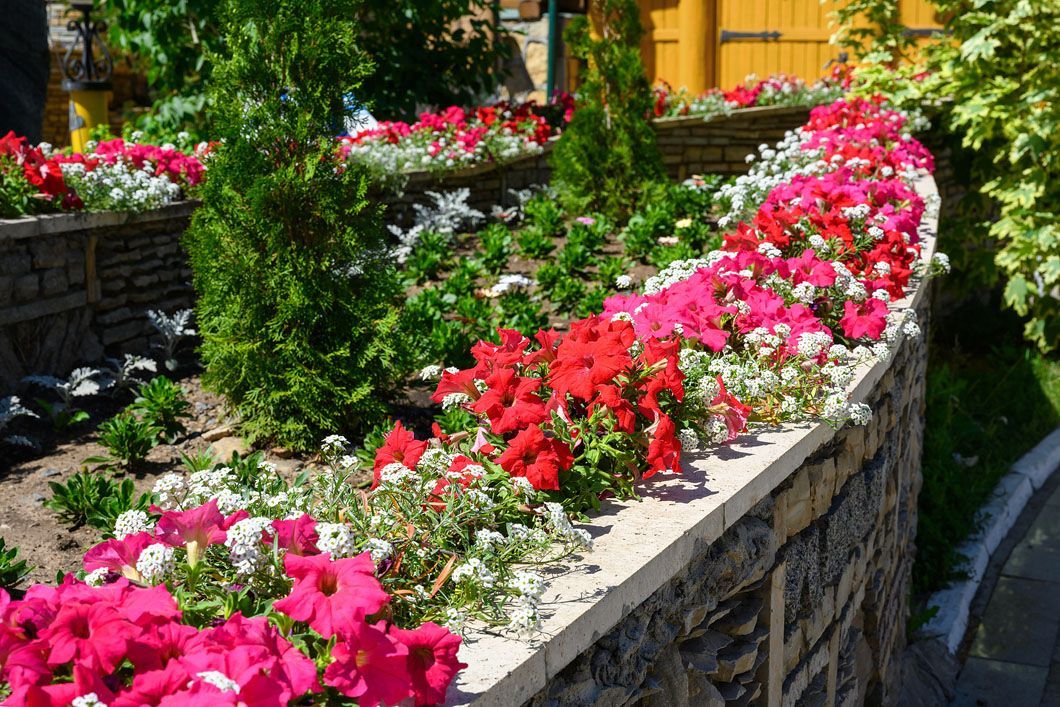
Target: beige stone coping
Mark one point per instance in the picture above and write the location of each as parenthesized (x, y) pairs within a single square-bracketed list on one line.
[(740, 114), (641, 545), (52, 224)]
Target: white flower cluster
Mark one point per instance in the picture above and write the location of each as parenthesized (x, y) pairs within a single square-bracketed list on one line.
[(474, 571), (156, 562), (509, 282), (131, 523), (244, 545), (120, 186), (525, 618), (336, 539), (561, 526)]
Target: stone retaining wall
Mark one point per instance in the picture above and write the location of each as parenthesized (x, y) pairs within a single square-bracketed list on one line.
[(774, 571), (689, 145), (74, 287)]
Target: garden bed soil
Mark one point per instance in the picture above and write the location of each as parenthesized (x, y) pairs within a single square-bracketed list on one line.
[(52, 547)]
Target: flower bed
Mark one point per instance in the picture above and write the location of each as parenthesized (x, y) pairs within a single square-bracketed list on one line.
[(356, 586), (777, 90), (455, 138), (114, 175)]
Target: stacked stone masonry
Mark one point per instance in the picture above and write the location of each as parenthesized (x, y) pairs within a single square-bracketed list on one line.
[(689, 145), (802, 601), (76, 287)]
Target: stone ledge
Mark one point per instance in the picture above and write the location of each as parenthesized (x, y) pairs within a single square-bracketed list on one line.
[(683, 121), (52, 224), (640, 545)]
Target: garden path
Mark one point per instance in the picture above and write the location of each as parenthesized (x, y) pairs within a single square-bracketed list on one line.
[(1014, 655)]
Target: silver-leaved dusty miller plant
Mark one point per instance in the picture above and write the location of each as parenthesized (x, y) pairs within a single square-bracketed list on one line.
[(173, 329), (10, 408), (79, 384), (124, 374)]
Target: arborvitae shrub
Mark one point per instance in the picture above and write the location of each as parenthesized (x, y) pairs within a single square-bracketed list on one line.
[(297, 296), (608, 152)]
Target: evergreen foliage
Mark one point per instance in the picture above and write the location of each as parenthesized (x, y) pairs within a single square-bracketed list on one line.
[(296, 290), (608, 153)]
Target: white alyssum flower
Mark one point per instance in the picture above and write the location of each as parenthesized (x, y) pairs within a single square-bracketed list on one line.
[(336, 539), (623, 282), (219, 680), (156, 563), (474, 571), (487, 540), (89, 699), (688, 439), (244, 544), (430, 373), (379, 549), (334, 445), (131, 523), (97, 577)]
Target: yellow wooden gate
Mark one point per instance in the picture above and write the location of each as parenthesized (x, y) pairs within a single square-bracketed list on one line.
[(701, 43), (772, 36)]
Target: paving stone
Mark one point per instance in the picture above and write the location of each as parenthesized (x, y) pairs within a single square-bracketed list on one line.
[(1051, 697), (994, 683), (1020, 623), (1030, 562)]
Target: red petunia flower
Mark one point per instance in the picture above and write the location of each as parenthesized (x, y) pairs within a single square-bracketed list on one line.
[(867, 319), (400, 447), (538, 458)]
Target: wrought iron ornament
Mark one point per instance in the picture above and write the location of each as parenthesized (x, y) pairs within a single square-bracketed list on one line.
[(93, 68)]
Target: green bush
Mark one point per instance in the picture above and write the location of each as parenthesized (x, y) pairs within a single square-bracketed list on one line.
[(78, 497), (161, 403), (433, 52), (12, 569), (608, 152), (127, 439), (297, 299)]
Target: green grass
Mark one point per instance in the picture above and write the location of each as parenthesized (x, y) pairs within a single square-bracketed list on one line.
[(990, 399)]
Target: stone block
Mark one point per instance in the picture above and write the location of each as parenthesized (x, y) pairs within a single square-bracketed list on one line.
[(7, 289), (49, 252), (736, 659), (799, 504), (16, 261), (53, 282), (123, 332), (26, 287)]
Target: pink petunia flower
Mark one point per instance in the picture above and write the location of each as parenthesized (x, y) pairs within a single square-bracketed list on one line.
[(432, 660), (194, 529), (370, 665), (331, 595)]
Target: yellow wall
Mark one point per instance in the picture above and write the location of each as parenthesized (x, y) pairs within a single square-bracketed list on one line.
[(682, 42)]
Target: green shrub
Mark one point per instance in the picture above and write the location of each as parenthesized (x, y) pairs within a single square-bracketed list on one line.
[(121, 497), (161, 403), (497, 247), (543, 213), (297, 299), (74, 500), (608, 151), (127, 439), (428, 257), (12, 569), (535, 244)]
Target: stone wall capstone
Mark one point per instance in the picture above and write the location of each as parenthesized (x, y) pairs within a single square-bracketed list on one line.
[(74, 287)]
